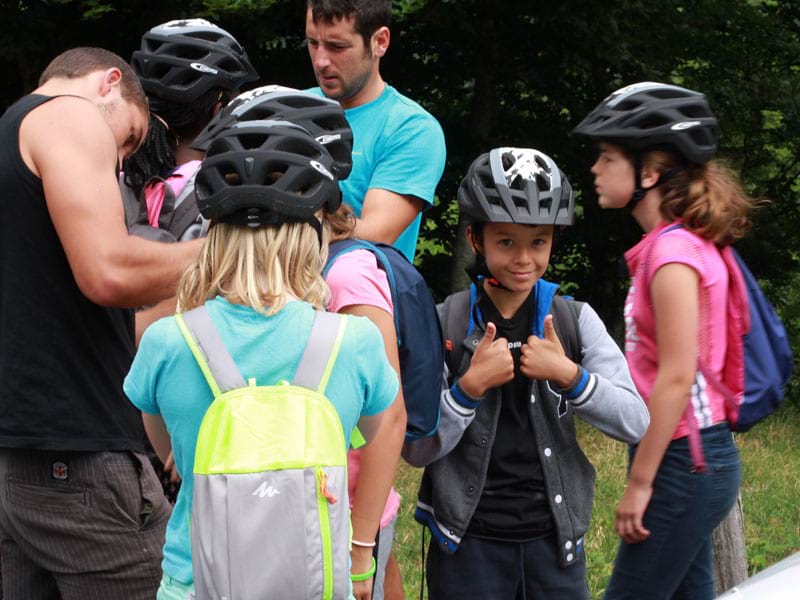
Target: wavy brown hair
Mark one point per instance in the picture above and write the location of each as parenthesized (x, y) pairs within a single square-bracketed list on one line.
[(342, 223), (708, 198)]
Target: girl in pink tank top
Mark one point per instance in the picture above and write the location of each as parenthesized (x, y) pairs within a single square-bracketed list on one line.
[(656, 144)]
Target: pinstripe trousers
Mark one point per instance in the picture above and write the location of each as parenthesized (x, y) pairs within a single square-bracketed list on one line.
[(80, 525)]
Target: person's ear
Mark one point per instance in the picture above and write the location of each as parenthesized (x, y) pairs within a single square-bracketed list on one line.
[(650, 176), (473, 241), (110, 80), (380, 41)]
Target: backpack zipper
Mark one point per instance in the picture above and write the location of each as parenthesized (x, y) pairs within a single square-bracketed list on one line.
[(323, 498)]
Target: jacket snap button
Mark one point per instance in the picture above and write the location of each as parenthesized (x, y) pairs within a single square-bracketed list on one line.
[(569, 557), (558, 498), (483, 441)]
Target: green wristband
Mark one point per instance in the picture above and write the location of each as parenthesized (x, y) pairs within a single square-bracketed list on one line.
[(364, 576)]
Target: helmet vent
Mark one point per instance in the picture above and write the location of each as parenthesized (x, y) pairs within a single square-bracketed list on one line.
[(251, 141), (542, 183), (188, 52), (667, 93), (626, 105), (232, 178), (694, 111), (652, 122), (229, 65)]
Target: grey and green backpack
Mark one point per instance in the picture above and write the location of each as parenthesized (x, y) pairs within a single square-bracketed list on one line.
[(270, 515)]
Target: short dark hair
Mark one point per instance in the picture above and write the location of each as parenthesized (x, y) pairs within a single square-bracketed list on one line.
[(370, 15), (79, 62)]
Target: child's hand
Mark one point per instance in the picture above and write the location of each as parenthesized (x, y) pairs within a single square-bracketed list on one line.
[(492, 365), (545, 358), (629, 523)]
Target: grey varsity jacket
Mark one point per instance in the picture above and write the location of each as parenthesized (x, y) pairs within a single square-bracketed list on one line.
[(458, 455)]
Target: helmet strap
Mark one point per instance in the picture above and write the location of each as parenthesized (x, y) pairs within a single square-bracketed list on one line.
[(639, 190), (478, 272)]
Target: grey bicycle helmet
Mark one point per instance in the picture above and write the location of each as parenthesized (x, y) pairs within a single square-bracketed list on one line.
[(516, 185), (321, 117), (647, 114), (181, 60), (266, 172)]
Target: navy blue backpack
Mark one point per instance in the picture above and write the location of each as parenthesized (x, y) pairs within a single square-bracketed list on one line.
[(759, 357), (767, 358), (419, 336)]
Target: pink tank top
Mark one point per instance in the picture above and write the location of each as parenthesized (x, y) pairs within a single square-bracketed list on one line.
[(644, 259)]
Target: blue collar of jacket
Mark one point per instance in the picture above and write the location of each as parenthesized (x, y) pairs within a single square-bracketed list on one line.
[(543, 293)]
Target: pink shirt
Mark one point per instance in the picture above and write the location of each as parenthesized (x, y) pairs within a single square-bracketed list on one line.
[(154, 192), (652, 252), (355, 278)]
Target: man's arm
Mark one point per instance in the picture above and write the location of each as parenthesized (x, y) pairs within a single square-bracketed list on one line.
[(385, 215), (67, 142)]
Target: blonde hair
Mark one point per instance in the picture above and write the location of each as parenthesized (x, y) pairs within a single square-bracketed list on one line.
[(709, 198), (258, 267)]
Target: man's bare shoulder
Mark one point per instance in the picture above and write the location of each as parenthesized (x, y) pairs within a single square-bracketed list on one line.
[(61, 127)]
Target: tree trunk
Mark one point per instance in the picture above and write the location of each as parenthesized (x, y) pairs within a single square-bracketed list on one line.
[(730, 558)]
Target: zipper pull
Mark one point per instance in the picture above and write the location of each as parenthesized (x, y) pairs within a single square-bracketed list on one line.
[(322, 477)]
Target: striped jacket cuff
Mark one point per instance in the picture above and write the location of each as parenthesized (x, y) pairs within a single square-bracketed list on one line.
[(582, 388), (463, 399)]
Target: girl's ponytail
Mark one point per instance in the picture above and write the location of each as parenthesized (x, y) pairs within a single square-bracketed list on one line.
[(708, 198)]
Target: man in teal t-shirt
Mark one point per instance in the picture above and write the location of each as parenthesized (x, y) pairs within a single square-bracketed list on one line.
[(398, 147)]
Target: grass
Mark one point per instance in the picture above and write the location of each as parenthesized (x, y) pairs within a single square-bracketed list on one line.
[(770, 492)]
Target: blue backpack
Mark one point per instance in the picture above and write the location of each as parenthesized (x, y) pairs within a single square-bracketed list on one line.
[(767, 357), (759, 359), (419, 336)]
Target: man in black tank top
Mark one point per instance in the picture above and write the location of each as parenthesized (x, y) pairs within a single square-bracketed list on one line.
[(81, 512)]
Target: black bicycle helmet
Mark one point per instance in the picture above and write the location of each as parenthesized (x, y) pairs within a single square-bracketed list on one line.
[(321, 117), (181, 60), (266, 172), (647, 114), (516, 185)]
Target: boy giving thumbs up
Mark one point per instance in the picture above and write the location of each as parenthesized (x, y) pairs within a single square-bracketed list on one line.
[(507, 493)]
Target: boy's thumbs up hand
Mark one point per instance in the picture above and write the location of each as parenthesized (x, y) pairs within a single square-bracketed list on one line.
[(492, 364), (545, 358)]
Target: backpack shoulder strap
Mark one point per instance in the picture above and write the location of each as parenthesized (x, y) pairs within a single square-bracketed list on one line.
[(322, 348), (340, 247), (565, 318), (186, 211), (209, 351), (454, 318)]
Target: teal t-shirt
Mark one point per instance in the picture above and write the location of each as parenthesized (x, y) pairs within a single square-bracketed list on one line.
[(165, 379), (397, 146)]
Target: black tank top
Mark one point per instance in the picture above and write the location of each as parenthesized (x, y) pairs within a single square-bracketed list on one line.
[(62, 357)]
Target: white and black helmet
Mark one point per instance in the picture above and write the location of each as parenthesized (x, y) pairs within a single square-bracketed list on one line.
[(321, 117), (516, 185), (266, 172), (181, 60), (647, 114)]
